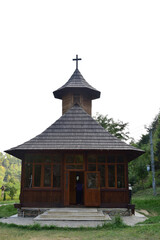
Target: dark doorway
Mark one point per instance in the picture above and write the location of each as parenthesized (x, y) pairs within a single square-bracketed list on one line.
[(76, 186)]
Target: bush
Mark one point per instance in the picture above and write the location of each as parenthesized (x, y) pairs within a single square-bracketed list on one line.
[(118, 221)]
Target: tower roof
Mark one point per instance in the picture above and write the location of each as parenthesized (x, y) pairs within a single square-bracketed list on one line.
[(77, 82), (75, 130)]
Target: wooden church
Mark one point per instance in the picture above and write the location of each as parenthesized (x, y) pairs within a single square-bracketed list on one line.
[(75, 149)]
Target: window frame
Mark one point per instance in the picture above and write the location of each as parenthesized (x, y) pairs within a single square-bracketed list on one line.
[(74, 162), (106, 163), (42, 162)]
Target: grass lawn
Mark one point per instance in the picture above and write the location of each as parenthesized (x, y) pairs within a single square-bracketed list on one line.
[(7, 210), (143, 200), (151, 232), (9, 201)]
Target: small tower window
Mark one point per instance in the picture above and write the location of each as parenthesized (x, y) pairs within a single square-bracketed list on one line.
[(76, 99)]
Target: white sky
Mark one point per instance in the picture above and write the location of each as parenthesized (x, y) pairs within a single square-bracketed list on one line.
[(118, 41)]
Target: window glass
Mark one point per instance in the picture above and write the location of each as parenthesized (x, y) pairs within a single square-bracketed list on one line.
[(47, 175), (101, 158), (120, 176), (79, 158), (57, 158), (111, 159), (79, 166), (47, 159), (92, 158), (111, 175), (120, 159), (28, 161), (28, 175), (70, 158), (91, 167), (37, 175), (57, 176), (75, 166), (37, 160), (101, 168), (92, 180), (70, 166)]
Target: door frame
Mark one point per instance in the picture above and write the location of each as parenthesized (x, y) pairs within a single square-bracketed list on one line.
[(67, 185)]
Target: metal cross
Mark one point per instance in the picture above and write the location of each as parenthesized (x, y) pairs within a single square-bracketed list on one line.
[(77, 59)]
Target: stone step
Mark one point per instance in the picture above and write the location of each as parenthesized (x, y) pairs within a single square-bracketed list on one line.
[(86, 210), (72, 218), (73, 215)]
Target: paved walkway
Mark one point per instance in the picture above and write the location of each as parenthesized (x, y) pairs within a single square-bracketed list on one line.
[(134, 219), (128, 220)]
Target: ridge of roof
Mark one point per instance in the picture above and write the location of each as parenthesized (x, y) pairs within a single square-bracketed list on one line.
[(77, 81), (75, 130)]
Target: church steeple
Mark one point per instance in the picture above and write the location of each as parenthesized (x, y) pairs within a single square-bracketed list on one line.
[(77, 90)]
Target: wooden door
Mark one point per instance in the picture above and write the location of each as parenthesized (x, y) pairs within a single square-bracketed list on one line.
[(92, 189), (72, 188)]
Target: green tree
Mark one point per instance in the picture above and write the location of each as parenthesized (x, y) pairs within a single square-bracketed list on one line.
[(117, 128), (11, 188), (137, 169), (157, 144)]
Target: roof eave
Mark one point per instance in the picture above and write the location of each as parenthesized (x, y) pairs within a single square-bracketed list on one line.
[(94, 94), (20, 153)]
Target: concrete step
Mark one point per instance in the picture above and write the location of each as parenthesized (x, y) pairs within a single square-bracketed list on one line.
[(73, 210), (73, 218), (73, 214)]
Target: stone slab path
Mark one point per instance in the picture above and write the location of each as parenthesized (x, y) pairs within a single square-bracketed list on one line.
[(128, 220)]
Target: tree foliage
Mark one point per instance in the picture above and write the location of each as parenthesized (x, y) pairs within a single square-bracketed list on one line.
[(138, 175), (138, 168), (11, 188), (117, 128), (10, 174)]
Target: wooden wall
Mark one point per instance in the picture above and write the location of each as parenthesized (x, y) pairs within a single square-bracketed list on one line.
[(53, 198), (68, 102), (114, 198), (86, 105), (41, 198), (50, 197)]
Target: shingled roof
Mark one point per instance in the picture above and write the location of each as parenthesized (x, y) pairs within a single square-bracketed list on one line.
[(77, 81), (75, 130)]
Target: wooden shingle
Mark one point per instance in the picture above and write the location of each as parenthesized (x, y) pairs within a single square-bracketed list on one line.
[(75, 130), (77, 81)]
